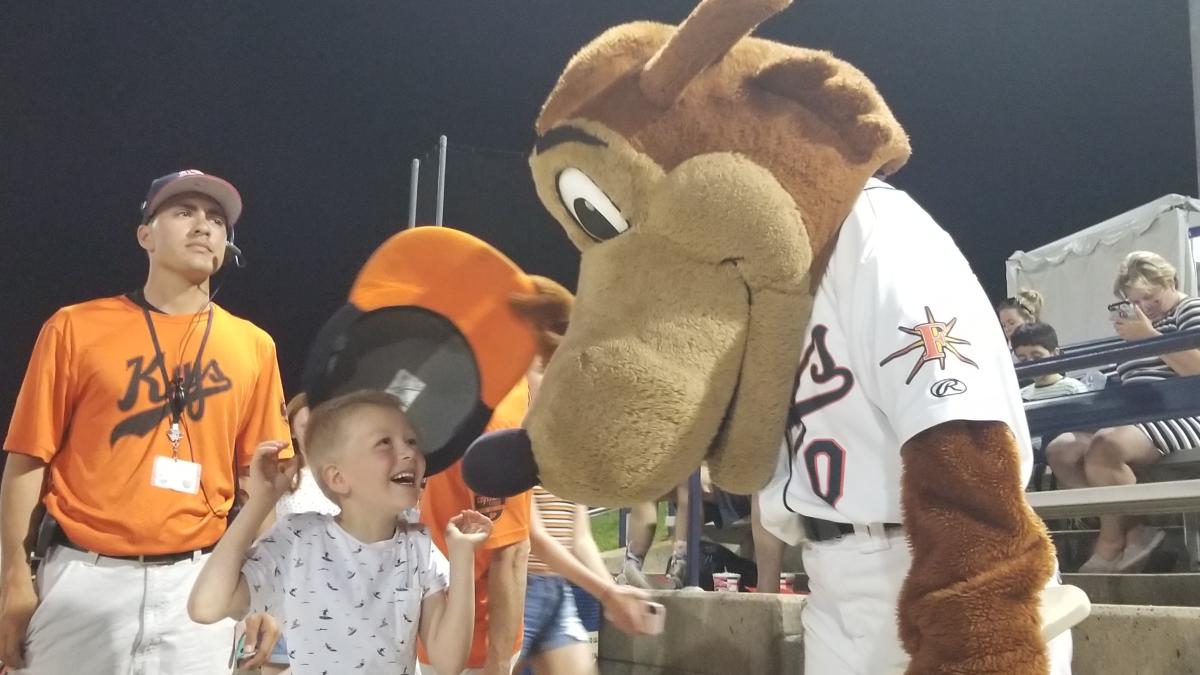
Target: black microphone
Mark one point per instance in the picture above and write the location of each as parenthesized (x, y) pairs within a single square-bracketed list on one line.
[(239, 258)]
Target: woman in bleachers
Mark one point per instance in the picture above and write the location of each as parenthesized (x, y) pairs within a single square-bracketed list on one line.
[(1107, 457), (1024, 307)]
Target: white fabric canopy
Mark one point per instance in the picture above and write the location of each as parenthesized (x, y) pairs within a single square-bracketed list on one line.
[(1075, 274)]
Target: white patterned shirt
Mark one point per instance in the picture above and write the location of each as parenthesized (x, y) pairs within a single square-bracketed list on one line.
[(344, 606), (307, 497)]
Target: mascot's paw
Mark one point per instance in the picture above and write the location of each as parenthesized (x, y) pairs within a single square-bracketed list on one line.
[(549, 310), (500, 464)]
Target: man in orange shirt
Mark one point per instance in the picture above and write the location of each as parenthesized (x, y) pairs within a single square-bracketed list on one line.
[(134, 415), (500, 563)]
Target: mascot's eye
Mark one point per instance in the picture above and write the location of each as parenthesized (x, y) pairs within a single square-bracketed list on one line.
[(590, 207)]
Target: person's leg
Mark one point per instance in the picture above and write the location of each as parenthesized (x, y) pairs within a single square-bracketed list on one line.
[(572, 659), (677, 565), (175, 643), (849, 620), (1110, 459), (1065, 455), (768, 551), (640, 530), (85, 610)]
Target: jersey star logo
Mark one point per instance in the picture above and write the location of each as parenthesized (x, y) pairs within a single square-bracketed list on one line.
[(935, 340)]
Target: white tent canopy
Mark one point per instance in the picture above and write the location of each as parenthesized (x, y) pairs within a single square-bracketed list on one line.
[(1075, 274)]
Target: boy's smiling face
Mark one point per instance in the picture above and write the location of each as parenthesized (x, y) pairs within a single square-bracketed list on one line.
[(380, 464)]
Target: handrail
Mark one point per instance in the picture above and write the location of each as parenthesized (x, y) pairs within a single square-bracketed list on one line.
[(1099, 356), (1140, 499), (1088, 345), (1126, 404)]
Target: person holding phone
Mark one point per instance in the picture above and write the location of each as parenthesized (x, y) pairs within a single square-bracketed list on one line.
[(1150, 305), (562, 549)]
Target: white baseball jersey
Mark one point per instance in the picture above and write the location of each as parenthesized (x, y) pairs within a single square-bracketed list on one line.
[(902, 338)]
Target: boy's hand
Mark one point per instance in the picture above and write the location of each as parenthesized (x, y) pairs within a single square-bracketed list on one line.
[(269, 475), (469, 529), (262, 632)]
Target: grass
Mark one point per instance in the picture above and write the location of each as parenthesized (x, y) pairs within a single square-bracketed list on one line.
[(604, 528)]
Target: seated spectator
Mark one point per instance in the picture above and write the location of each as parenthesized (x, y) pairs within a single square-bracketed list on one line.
[(356, 589), (1024, 307), (1108, 456), (717, 507), (1036, 341)]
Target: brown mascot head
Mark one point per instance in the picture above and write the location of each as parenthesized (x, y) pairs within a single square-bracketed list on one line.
[(703, 174)]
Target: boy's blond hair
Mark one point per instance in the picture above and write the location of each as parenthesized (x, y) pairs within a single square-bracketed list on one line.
[(324, 436)]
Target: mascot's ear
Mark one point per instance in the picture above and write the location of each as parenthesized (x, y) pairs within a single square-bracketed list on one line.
[(708, 33), (548, 309), (844, 99)]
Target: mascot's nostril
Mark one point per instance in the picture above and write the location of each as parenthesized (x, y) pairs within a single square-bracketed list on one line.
[(500, 464)]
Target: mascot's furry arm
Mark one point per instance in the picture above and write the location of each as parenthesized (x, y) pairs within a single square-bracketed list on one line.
[(980, 556)]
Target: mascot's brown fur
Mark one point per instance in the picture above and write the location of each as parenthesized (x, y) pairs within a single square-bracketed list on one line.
[(704, 175)]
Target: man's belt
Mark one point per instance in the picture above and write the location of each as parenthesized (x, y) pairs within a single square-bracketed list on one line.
[(154, 559), (817, 529)]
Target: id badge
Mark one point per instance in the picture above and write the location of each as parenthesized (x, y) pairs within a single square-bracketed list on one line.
[(176, 474)]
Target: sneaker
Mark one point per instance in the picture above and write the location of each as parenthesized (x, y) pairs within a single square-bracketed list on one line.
[(677, 571), (1098, 565), (631, 575), (1142, 542)]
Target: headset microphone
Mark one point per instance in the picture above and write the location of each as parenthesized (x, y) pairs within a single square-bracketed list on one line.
[(232, 251)]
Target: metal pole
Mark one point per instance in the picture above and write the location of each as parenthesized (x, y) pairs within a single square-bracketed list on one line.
[(413, 174), (695, 511), (623, 528), (441, 184), (1194, 24)]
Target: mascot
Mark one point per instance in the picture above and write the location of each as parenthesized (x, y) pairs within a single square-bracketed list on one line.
[(754, 296)]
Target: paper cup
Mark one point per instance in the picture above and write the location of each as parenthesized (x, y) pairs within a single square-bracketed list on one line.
[(726, 582)]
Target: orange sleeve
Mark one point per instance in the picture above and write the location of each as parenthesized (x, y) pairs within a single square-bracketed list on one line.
[(513, 524), (43, 409), (266, 419)]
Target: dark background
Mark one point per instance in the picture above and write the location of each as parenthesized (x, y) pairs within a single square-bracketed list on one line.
[(1030, 119)]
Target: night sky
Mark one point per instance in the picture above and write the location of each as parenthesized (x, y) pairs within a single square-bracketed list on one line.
[(1030, 119)]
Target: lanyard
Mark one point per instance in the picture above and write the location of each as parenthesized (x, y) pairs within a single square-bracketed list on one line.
[(177, 388)]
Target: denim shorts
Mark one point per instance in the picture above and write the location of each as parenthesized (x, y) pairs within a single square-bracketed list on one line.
[(551, 619), (279, 656)]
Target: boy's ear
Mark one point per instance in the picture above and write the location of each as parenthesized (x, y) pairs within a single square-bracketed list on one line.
[(334, 479)]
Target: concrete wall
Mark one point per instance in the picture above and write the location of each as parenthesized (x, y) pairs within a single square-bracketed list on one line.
[(712, 634), (750, 634)]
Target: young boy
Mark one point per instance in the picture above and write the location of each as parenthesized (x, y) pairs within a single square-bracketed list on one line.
[(1034, 341), (351, 591)]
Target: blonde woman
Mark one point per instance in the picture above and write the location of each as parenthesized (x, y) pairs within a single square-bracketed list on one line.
[(1022, 308), (1155, 307)]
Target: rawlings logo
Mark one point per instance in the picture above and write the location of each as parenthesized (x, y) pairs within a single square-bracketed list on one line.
[(947, 387)]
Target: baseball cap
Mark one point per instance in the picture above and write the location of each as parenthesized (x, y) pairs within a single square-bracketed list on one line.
[(190, 180)]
